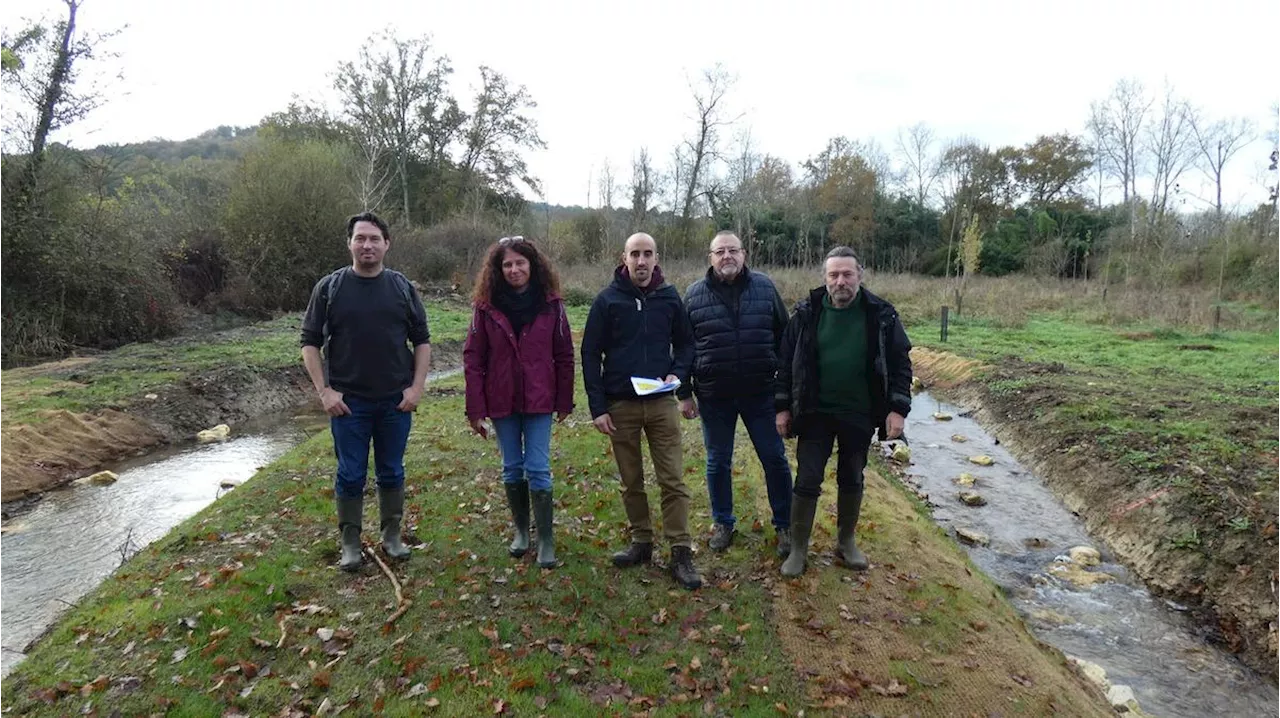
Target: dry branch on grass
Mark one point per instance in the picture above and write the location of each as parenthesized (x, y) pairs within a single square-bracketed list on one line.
[(402, 603)]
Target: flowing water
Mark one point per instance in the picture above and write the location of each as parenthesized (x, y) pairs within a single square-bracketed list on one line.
[(73, 538), (1142, 641)]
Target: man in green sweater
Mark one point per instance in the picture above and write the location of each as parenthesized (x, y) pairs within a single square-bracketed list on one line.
[(844, 372)]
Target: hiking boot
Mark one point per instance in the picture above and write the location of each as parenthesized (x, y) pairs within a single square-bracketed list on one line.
[(636, 554), (784, 542), (721, 537), (848, 506), (543, 515), (682, 569), (390, 513), (350, 516), (802, 510), (518, 500)]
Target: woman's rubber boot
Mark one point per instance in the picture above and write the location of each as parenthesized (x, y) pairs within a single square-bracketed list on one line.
[(518, 500), (543, 516)]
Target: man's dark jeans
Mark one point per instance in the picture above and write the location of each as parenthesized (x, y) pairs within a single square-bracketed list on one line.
[(719, 423), (818, 435), (388, 428)]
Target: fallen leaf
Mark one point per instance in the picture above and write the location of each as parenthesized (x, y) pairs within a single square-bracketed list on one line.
[(433, 702), (417, 690), (499, 706), (744, 628), (894, 688), (321, 680), (179, 655), (523, 684), (695, 664), (324, 633)]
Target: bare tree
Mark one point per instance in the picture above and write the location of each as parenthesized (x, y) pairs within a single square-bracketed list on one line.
[(1116, 124), (372, 174), (392, 96), (643, 188), (1215, 144), (1169, 144), (708, 99), (915, 151), (497, 132), (607, 184)]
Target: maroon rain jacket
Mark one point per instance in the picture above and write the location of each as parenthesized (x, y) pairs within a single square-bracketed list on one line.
[(529, 375)]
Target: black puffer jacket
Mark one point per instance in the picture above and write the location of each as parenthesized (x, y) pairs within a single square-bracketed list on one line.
[(633, 333), (888, 353), (736, 333)]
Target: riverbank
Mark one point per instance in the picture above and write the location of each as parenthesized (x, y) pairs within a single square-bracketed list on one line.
[(1163, 443), (241, 608), (65, 419)]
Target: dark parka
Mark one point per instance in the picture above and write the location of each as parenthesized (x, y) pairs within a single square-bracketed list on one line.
[(736, 334), (888, 357), (630, 333)]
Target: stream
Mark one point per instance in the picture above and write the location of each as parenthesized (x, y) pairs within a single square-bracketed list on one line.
[(71, 540), (1142, 641)]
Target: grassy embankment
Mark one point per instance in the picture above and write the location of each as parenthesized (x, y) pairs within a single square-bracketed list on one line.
[(232, 610)]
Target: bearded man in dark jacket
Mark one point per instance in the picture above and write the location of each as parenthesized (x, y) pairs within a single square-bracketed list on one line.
[(844, 373)]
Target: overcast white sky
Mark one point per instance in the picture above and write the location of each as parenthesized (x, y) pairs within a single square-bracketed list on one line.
[(611, 77)]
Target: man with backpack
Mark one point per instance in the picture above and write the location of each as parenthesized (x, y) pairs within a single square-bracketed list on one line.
[(364, 318)]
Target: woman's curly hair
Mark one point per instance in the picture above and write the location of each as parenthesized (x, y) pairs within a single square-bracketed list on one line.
[(489, 281)]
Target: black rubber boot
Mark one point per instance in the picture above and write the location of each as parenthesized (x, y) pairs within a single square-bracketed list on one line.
[(350, 516), (802, 511), (848, 506), (634, 555), (784, 542), (682, 569), (543, 516), (518, 500), (390, 514)]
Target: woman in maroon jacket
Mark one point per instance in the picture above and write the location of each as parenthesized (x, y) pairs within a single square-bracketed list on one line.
[(519, 368)]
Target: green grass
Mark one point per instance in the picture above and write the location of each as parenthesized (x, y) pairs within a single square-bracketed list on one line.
[(1189, 418), (585, 638), (122, 377)]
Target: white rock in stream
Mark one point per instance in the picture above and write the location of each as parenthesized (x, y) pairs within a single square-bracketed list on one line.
[(103, 478), (1085, 556), (1123, 700), (966, 479), (221, 432), (1092, 672), (971, 498), (972, 537), (981, 460)]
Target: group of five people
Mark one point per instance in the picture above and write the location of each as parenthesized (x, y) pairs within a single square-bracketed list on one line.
[(836, 370)]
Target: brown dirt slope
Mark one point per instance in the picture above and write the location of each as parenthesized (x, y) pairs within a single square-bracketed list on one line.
[(922, 633)]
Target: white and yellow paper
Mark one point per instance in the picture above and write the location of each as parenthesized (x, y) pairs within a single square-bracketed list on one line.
[(645, 387)]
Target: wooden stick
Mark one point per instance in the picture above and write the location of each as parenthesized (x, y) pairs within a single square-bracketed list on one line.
[(402, 602), (283, 632)]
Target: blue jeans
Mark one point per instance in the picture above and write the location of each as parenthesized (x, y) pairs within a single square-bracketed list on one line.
[(525, 441), (719, 422), (388, 428)]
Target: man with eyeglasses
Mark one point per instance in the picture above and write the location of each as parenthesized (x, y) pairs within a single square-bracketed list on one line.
[(638, 328), (737, 319)]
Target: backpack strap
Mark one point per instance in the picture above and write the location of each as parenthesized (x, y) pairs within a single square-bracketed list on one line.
[(331, 285)]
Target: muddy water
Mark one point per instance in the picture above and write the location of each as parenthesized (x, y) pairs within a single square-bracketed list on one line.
[(62, 548), (71, 540), (1142, 641)]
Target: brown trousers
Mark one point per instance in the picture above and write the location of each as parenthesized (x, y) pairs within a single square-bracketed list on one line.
[(659, 419)]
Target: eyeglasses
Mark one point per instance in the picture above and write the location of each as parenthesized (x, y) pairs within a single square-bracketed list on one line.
[(732, 251), (508, 241)]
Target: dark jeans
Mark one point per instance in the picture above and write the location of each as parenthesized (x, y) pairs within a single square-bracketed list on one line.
[(388, 428), (818, 435), (719, 423)]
